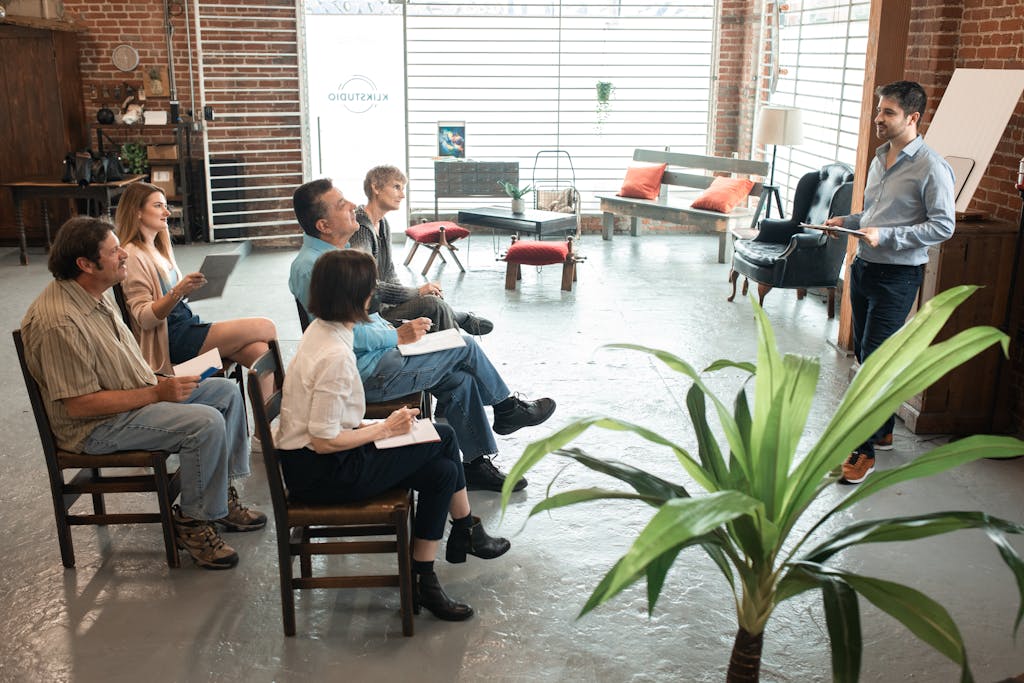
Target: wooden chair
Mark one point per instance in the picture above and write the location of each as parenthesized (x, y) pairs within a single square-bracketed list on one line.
[(90, 479), (379, 411), (300, 525)]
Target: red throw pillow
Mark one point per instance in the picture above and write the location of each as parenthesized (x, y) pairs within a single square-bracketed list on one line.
[(643, 182), (723, 195)]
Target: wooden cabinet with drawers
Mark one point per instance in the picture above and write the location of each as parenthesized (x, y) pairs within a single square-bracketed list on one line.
[(975, 397)]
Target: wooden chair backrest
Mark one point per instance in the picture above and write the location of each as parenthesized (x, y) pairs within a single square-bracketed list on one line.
[(266, 379)]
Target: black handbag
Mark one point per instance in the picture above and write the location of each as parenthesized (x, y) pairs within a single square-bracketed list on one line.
[(78, 168)]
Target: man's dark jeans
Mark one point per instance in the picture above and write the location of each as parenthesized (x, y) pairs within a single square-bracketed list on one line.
[(881, 296)]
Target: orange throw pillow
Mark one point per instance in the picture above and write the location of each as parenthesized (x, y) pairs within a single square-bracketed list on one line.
[(643, 182), (723, 195)]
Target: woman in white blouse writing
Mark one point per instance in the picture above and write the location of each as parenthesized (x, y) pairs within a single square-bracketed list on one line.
[(328, 454)]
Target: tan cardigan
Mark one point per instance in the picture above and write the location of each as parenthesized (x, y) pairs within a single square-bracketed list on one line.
[(141, 289)]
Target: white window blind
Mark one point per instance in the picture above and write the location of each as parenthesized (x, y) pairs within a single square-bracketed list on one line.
[(523, 76), (815, 56)]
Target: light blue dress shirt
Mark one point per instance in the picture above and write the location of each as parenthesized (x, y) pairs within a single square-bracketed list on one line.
[(912, 203), (302, 267)]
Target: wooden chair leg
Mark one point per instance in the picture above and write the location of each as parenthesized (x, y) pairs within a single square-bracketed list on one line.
[(733, 277), (284, 562), (511, 275), (567, 271), (305, 559), (746, 285), (164, 500), (451, 252), (99, 507), (762, 291), (800, 294), (402, 522), (408, 257), (434, 249), (831, 302)]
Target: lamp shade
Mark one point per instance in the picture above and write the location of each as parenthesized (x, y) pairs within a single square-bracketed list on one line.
[(779, 126)]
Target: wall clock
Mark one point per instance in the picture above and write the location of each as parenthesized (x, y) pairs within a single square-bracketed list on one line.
[(125, 57)]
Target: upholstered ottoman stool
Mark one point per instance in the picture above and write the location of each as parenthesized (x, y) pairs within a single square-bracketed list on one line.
[(540, 254), (434, 236)]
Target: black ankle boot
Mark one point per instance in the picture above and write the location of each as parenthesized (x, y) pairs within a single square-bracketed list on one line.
[(473, 541), (431, 595)]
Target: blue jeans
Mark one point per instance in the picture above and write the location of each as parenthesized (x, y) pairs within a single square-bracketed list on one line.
[(881, 296), (463, 381), (208, 433)]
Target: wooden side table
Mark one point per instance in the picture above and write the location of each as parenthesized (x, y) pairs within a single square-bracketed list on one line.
[(44, 189)]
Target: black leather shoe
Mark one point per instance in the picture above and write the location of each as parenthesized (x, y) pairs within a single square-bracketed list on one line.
[(522, 414), (475, 325), (475, 542), (482, 475), (431, 595)]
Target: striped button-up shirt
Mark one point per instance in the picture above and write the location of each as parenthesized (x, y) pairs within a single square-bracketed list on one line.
[(74, 346)]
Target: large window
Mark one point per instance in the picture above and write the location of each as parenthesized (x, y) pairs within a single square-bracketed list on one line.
[(814, 60), (523, 76)]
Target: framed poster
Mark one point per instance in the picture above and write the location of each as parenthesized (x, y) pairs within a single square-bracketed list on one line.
[(451, 139)]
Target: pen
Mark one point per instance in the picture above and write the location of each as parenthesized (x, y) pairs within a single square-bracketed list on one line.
[(404, 321)]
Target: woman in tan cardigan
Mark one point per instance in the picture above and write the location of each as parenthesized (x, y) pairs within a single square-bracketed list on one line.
[(166, 328)]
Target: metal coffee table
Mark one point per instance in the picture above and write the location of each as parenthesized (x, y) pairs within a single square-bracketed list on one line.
[(530, 222)]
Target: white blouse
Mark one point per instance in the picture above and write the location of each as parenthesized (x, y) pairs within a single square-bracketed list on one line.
[(322, 392)]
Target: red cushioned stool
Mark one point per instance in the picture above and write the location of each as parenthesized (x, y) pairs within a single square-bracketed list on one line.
[(434, 236), (540, 254)]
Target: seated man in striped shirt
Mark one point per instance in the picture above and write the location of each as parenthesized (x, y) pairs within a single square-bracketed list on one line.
[(101, 395)]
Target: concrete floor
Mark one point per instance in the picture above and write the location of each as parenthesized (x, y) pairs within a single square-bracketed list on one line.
[(122, 615)]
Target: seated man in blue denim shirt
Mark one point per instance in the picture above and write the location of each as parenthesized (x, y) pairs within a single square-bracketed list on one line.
[(462, 379), (908, 206)]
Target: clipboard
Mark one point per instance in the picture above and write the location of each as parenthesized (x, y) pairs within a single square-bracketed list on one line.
[(216, 268), (832, 228)]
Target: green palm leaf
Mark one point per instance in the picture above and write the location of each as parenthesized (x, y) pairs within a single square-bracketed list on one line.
[(679, 521), (842, 616), (922, 616)]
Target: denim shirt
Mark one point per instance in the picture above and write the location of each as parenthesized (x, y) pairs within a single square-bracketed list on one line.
[(371, 341), (912, 202)]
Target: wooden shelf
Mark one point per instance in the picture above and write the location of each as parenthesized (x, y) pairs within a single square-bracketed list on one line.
[(48, 24)]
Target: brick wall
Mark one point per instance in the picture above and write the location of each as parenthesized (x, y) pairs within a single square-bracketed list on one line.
[(139, 24)]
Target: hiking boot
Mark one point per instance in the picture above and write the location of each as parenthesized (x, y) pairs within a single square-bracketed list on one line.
[(482, 475), (241, 518), (475, 325), (199, 538), (857, 468), (884, 443), (520, 413)]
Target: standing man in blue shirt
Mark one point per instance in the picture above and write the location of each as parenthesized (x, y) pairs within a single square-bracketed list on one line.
[(909, 206)]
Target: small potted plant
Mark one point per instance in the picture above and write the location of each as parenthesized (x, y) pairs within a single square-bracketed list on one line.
[(517, 194), (604, 104)]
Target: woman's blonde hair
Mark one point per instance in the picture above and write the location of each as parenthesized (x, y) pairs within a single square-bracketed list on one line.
[(129, 224)]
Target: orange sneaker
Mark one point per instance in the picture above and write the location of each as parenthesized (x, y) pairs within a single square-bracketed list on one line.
[(884, 443), (857, 468)]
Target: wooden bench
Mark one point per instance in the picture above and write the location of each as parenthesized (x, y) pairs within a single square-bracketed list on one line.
[(687, 171)]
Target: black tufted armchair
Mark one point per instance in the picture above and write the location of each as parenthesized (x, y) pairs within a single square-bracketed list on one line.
[(785, 255)]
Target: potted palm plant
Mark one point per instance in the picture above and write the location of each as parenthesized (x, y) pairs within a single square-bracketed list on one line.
[(516, 193), (755, 490)]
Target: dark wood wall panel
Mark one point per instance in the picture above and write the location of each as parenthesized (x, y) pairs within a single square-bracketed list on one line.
[(41, 116)]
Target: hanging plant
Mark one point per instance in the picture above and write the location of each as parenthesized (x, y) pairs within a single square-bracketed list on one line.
[(604, 96), (134, 158)]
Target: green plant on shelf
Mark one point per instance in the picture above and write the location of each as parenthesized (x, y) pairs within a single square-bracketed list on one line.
[(133, 156)]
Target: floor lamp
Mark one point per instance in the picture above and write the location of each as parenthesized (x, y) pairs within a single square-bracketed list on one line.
[(778, 126)]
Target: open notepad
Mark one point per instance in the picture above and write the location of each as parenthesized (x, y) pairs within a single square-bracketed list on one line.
[(435, 341), (422, 432), (203, 365)]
